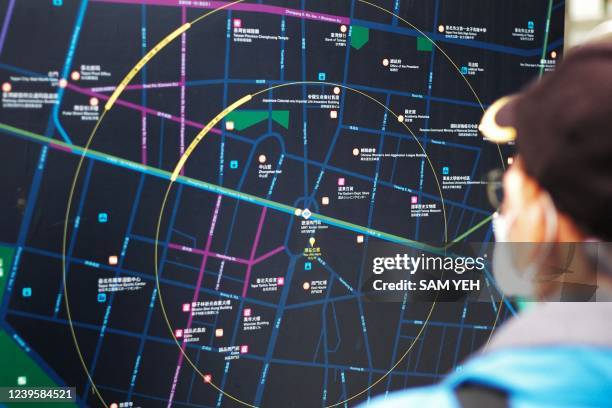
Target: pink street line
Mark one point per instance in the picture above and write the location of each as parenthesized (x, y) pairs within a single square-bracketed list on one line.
[(253, 7), (209, 253), (268, 255), (140, 108), (247, 277), (143, 124), (195, 298), (182, 79), (137, 86)]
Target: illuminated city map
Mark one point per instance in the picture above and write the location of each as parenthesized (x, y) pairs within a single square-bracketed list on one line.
[(191, 191)]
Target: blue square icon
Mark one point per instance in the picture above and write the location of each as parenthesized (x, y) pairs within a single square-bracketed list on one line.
[(102, 218), (464, 70), (307, 266), (322, 76), (58, 3), (234, 164), (530, 25), (26, 292), (445, 171), (101, 297)]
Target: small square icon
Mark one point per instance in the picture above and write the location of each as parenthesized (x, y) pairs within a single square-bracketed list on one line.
[(333, 114), (445, 171), (322, 76), (102, 218), (229, 125), (22, 380), (101, 297), (530, 25), (308, 266), (207, 378), (280, 281), (341, 181), (113, 260), (414, 200), (234, 164), (360, 239), (26, 292), (325, 201), (247, 312), (178, 333), (186, 307), (464, 70), (219, 333), (244, 349), (237, 23)]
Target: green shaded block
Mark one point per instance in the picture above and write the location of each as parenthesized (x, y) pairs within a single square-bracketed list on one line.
[(359, 36), (244, 119), (281, 117), (17, 367), (423, 44), (6, 260)]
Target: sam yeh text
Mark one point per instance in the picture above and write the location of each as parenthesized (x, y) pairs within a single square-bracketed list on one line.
[(427, 284)]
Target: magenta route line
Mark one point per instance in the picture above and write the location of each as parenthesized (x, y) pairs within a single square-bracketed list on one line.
[(157, 85), (247, 277), (141, 108), (268, 255), (143, 124), (252, 7), (195, 298), (182, 82), (209, 253)]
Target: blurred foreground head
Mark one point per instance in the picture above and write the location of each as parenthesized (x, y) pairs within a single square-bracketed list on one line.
[(559, 189)]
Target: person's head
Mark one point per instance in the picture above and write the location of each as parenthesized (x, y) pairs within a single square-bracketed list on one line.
[(559, 188)]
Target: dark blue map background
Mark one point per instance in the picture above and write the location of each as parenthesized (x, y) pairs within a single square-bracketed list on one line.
[(317, 348)]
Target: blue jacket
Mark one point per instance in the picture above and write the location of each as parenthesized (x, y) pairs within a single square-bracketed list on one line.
[(558, 355)]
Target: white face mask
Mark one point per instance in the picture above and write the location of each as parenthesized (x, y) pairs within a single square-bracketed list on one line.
[(511, 279)]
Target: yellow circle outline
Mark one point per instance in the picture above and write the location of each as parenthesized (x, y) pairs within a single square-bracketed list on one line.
[(110, 104), (180, 165)]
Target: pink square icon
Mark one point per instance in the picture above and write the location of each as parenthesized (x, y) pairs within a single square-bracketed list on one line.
[(244, 349), (178, 333), (207, 378), (247, 312), (186, 307), (414, 199), (341, 181), (237, 23), (280, 281)]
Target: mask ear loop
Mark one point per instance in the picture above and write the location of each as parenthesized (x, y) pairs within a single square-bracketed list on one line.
[(551, 228)]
